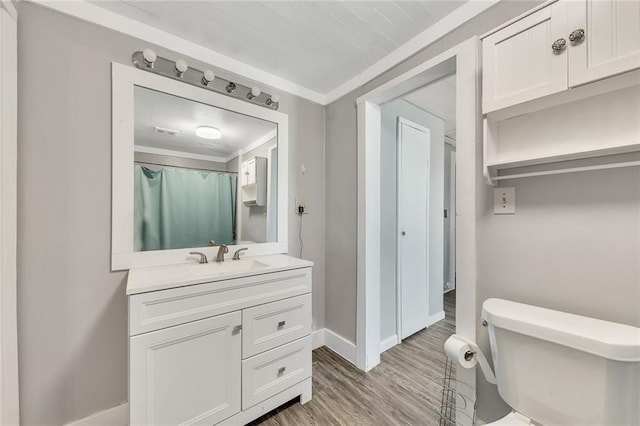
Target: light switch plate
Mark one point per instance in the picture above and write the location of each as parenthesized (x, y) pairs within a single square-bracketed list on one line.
[(504, 200)]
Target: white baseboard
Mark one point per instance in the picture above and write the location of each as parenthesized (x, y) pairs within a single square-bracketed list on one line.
[(340, 345), (115, 416), (317, 338), (388, 343), (435, 318)]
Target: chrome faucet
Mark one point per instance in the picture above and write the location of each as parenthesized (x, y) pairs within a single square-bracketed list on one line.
[(221, 252), (236, 255), (203, 257)]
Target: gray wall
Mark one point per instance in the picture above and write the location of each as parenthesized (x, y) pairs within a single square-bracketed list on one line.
[(388, 214), (341, 160), (72, 312), (573, 245), (168, 160)]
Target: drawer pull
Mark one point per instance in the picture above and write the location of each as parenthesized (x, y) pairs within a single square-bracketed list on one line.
[(281, 324), (236, 329), (281, 371)]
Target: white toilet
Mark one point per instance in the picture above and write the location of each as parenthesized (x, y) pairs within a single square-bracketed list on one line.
[(555, 368)]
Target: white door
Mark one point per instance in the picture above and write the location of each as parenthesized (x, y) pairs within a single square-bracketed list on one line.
[(414, 143), (519, 62), (609, 42), (244, 173), (251, 171), (187, 374)]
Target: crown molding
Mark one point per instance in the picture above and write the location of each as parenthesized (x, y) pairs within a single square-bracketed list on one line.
[(106, 18), (455, 19), (10, 8)]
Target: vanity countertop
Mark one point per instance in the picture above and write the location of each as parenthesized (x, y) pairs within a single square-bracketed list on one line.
[(143, 280)]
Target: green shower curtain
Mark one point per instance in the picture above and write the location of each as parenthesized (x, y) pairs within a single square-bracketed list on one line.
[(180, 208)]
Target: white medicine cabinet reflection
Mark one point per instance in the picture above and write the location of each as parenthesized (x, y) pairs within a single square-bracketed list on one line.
[(193, 169)]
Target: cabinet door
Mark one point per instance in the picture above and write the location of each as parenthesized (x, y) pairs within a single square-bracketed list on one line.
[(244, 173), (519, 62), (251, 170), (188, 374), (611, 41)]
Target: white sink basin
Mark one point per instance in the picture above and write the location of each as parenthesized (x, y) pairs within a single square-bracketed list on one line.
[(226, 267)]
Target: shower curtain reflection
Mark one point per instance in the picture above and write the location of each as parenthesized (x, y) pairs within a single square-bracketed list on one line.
[(181, 208)]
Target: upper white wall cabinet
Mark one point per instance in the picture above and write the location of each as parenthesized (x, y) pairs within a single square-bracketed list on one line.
[(604, 39), (559, 46)]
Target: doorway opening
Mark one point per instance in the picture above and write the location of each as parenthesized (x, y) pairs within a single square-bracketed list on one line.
[(416, 218), (462, 62)]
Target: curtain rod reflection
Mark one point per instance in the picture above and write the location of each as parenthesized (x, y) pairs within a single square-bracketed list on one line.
[(142, 163)]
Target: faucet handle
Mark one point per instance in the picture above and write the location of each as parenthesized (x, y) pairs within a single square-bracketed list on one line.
[(203, 257), (236, 255), (212, 243)]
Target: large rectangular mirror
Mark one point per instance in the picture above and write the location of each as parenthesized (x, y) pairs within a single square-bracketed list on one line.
[(193, 169)]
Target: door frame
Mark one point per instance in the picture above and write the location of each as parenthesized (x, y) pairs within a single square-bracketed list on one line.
[(9, 392), (400, 121), (464, 61)]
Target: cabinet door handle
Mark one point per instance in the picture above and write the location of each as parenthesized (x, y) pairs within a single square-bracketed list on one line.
[(237, 329), (576, 36), (281, 371), (559, 45), (281, 324)]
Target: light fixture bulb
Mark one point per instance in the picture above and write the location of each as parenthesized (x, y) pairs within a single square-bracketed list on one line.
[(273, 101), (181, 67), (254, 92), (208, 132), (149, 57), (207, 77)]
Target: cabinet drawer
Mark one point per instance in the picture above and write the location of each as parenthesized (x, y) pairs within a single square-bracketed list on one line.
[(266, 326), (165, 308), (271, 372)]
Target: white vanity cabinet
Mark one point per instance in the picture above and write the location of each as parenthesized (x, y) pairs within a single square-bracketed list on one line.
[(562, 45), (219, 349)]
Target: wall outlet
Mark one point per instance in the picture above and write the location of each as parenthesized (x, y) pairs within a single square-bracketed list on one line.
[(301, 207), (504, 200)]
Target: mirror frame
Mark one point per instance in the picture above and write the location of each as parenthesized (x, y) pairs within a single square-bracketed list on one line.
[(123, 80)]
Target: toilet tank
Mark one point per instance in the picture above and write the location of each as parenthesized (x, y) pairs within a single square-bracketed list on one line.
[(563, 369)]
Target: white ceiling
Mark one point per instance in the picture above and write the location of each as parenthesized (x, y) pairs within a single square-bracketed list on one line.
[(439, 99), (155, 109), (316, 44)]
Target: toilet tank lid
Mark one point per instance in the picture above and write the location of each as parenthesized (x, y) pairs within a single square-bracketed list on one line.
[(606, 339)]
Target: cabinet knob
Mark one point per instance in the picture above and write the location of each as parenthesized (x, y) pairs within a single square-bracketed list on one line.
[(559, 45), (577, 36), (281, 371), (236, 329), (281, 324)]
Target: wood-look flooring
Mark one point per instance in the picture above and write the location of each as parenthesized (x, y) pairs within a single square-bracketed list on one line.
[(403, 390)]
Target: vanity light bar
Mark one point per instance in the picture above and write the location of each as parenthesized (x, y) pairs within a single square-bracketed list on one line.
[(147, 60)]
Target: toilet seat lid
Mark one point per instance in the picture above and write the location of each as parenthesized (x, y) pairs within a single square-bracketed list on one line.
[(512, 419)]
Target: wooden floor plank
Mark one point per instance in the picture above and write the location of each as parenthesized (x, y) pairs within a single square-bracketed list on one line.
[(403, 390)]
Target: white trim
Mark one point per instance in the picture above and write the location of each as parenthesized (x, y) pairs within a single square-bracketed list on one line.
[(318, 338), (124, 79), (105, 18), (340, 345), (455, 19), (265, 138), (435, 318), (464, 60), (9, 391), (10, 8), (181, 154), (389, 342), (115, 416)]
